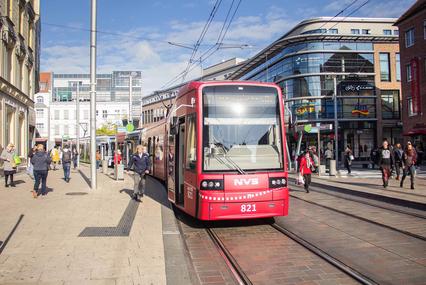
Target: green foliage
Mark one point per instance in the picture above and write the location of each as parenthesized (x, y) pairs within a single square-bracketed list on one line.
[(107, 130)]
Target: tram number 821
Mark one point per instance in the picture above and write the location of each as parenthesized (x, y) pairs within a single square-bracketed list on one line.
[(248, 208)]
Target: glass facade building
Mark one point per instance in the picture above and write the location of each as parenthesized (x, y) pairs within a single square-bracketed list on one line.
[(307, 64)]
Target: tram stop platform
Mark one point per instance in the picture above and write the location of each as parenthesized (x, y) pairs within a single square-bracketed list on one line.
[(368, 184), (74, 235)]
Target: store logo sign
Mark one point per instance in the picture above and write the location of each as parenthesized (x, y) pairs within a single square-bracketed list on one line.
[(360, 110), (304, 109)]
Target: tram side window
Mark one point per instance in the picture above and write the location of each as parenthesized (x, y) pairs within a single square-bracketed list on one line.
[(191, 145)]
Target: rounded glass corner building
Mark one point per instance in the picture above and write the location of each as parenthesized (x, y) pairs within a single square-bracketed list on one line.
[(335, 71)]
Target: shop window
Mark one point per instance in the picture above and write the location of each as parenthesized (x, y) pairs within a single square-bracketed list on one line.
[(409, 38), (384, 67), (390, 104), (191, 154)]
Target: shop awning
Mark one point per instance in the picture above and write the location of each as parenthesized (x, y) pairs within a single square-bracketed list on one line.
[(415, 132)]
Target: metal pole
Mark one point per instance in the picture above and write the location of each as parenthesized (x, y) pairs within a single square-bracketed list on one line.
[(130, 97), (93, 96), (77, 119), (319, 149), (336, 124)]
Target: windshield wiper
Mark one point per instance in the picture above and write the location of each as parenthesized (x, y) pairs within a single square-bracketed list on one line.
[(228, 159)]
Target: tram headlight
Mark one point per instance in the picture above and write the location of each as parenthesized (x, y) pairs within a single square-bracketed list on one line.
[(277, 182), (211, 184)]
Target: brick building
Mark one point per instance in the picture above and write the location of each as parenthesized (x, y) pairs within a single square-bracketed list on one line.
[(412, 42)]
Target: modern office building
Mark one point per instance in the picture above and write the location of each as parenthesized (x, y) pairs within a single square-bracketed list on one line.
[(19, 68), (412, 43), (361, 55), (154, 106)]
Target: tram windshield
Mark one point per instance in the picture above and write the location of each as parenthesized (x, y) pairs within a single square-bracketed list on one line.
[(241, 128)]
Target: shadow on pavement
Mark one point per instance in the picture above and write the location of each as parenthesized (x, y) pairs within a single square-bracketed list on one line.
[(87, 179), (127, 191)]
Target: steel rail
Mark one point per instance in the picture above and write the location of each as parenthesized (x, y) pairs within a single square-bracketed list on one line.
[(322, 254)]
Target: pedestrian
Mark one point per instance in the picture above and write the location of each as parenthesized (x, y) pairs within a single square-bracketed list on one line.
[(305, 169), (141, 164), (98, 159), (409, 158), (55, 156), (66, 162), (30, 170), (348, 158), (75, 157), (117, 157), (9, 165), (41, 162), (328, 157), (397, 154), (386, 162)]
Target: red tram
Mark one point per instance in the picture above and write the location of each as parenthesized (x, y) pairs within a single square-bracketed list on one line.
[(221, 151)]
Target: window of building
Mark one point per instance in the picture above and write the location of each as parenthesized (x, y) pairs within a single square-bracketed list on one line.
[(40, 126), (40, 113), (396, 32), (66, 130), (66, 114), (390, 104), (191, 156), (57, 132), (384, 67), (97, 113), (387, 32), (398, 67), (56, 114), (104, 114), (366, 31), (409, 38), (355, 31), (40, 99), (85, 114), (333, 31), (410, 107), (409, 78)]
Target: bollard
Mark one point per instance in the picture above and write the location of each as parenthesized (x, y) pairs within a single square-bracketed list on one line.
[(119, 171), (332, 170), (105, 166)]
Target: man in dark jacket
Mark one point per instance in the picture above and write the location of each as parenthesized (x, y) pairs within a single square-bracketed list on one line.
[(386, 162), (141, 165), (40, 161)]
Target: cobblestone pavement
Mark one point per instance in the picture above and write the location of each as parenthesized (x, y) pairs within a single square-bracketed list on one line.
[(46, 247), (382, 254)]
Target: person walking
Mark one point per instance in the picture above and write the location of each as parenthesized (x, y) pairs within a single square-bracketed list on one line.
[(397, 154), (9, 165), (386, 162), (98, 159), (66, 162), (117, 157), (75, 157), (41, 162), (55, 157), (305, 169), (328, 157), (141, 164), (348, 158), (409, 158)]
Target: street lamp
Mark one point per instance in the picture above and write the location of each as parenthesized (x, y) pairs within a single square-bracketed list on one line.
[(77, 119)]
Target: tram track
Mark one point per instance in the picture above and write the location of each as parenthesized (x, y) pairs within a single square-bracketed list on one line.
[(361, 218)]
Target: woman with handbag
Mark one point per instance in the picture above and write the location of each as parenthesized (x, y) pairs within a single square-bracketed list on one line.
[(8, 156), (348, 158), (306, 166)]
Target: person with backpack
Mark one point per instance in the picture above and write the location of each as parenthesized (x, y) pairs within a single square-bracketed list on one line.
[(386, 162), (66, 162), (141, 165), (397, 154), (409, 158), (9, 165), (306, 166), (41, 162)]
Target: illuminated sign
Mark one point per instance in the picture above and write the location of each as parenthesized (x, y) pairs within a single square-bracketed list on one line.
[(360, 110), (304, 109)]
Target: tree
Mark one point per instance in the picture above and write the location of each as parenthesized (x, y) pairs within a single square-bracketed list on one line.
[(107, 130)]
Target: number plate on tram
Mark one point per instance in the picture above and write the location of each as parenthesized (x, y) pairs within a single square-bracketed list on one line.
[(248, 208)]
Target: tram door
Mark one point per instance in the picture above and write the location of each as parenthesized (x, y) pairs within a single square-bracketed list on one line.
[(180, 150)]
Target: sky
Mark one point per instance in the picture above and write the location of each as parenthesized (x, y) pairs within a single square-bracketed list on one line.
[(134, 34)]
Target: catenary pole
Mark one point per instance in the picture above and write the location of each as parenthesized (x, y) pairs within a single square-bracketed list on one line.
[(93, 96), (336, 124), (77, 121)]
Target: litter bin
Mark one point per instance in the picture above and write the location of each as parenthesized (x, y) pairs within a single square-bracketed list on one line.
[(332, 170), (105, 166), (119, 172)]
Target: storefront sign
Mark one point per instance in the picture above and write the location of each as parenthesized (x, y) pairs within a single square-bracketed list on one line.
[(356, 87), (302, 109), (360, 110)]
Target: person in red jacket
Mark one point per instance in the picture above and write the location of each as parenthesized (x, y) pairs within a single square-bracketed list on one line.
[(306, 165), (117, 157)]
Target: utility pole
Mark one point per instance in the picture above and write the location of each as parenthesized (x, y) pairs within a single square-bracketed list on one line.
[(93, 96), (130, 97), (77, 122), (336, 124)]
